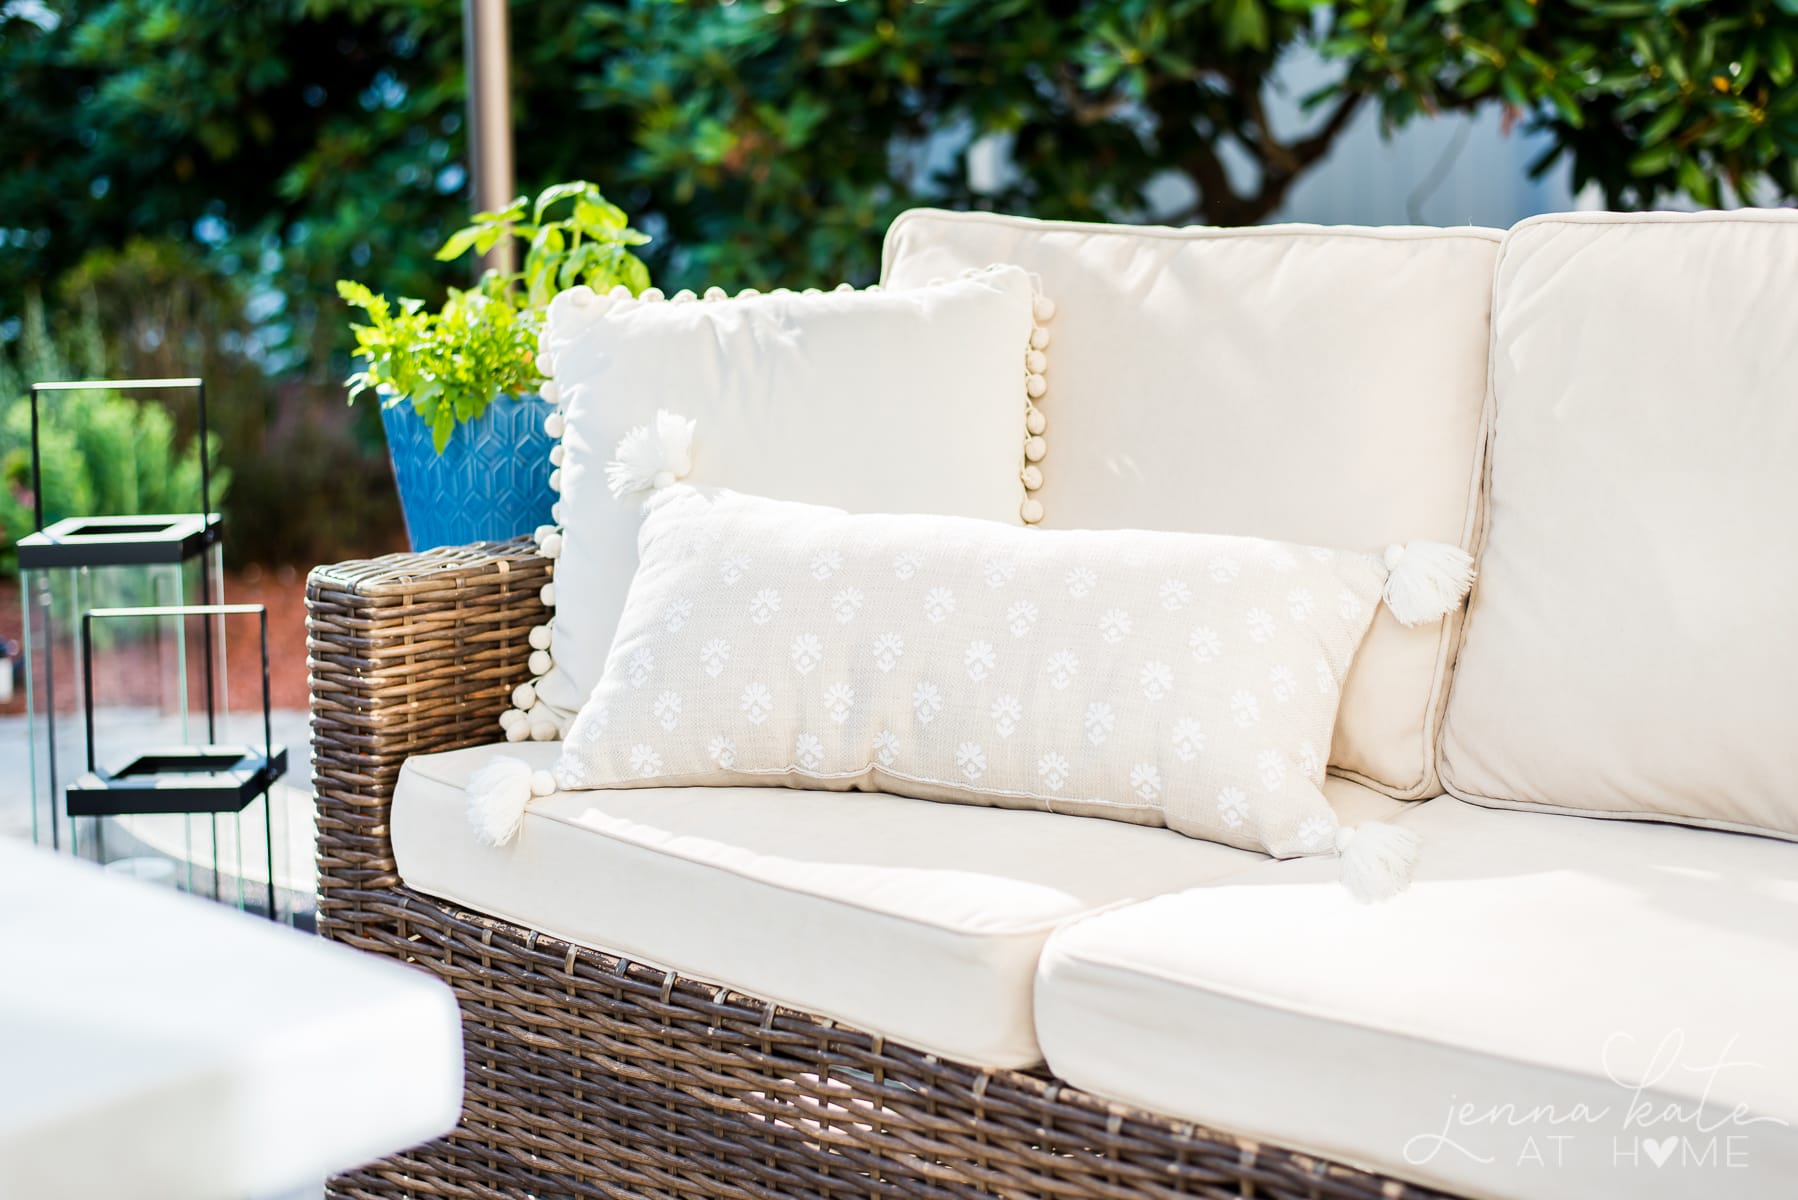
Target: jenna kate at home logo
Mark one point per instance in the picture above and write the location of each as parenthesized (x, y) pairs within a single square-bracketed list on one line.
[(1667, 1113)]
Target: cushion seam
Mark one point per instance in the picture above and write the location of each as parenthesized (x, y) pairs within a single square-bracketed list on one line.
[(1605, 814)]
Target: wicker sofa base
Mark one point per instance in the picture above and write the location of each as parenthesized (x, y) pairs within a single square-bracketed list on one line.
[(589, 1076)]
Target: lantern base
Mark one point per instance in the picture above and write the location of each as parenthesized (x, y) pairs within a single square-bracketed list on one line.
[(179, 779), (118, 541)]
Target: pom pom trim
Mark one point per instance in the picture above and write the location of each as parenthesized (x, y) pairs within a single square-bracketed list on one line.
[(1036, 386)]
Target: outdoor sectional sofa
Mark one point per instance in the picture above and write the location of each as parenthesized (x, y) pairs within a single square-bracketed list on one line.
[(757, 993)]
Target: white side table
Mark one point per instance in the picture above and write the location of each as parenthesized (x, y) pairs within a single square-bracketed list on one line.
[(154, 1045)]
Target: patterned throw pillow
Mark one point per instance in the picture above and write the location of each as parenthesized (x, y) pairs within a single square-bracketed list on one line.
[(1184, 680), (919, 400)]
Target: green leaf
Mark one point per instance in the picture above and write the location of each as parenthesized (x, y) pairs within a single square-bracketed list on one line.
[(1655, 160), (1779, 60), (1512, 89), (459, 243), (1568, 107), (555, 192), (854, 52), (1476, 82), (1246, 25), (1696, 183), (442, 427), (594, 216), (1663, 125), (634, 274)]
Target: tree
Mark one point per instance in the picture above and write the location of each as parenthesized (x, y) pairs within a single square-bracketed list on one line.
[(290, 143), (784, 135), (313, 138), (1644, 99)]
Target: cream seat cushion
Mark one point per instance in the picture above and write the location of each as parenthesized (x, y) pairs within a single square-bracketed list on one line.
[(1539, 962), (1315, 385), (915, 920), (1629, 643)]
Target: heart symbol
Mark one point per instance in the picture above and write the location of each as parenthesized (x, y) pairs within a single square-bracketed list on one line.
[(1662, 1150)]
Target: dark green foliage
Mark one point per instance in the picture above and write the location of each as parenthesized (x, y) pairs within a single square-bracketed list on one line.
[(1645, 98), (290, 143), (773, 141)]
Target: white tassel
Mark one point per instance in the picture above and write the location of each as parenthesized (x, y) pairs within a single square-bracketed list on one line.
[(1377, 859), (648, 459), (497, 794), (1426, 581)]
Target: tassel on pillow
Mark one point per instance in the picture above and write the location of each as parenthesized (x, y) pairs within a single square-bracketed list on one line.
[(497, 795), (1426, 581), (651, 458), (1377, 859)]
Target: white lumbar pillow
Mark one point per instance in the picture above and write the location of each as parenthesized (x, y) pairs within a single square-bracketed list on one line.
[(1185, 680), (921, 400)]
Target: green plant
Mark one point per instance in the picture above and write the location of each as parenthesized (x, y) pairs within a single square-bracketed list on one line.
[(449, 365), (591, 245)]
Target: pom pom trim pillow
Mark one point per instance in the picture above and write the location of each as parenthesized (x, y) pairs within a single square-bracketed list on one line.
[(1185, 680), (919, 400)]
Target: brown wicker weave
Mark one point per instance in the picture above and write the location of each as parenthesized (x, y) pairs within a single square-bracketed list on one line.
[(592, 1076)]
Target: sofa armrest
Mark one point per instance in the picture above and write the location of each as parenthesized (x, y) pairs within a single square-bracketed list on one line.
[(408, 654)]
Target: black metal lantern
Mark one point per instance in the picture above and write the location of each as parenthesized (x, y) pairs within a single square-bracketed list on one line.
[(76, 573)]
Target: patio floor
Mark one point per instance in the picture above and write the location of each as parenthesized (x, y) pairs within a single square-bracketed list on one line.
[(187, 841)]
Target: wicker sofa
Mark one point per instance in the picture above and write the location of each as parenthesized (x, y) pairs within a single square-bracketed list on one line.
[(1248, 1033), (591, 1075)]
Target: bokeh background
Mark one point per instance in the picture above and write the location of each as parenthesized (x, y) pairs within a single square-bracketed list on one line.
[(185, 181)]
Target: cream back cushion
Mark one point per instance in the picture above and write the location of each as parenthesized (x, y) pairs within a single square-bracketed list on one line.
[(871, 401), (1629, 646), (1313, 385), (1185, 680)]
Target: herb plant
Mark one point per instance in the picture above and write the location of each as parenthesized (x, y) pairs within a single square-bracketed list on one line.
[(449, 365)]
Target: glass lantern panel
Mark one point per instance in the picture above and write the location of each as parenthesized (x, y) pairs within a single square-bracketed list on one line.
[(157, 682)]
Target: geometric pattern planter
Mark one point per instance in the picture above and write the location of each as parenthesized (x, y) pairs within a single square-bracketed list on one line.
[(490, 483)]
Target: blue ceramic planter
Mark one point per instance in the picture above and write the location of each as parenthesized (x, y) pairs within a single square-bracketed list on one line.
[(490, 483)]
